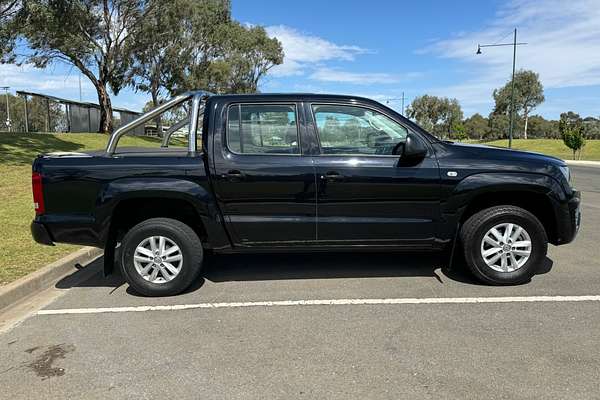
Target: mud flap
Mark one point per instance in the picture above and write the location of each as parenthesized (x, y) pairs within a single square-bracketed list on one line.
[(451, 260), (109, 254)]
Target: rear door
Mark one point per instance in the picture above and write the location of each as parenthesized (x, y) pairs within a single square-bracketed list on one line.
[(365, 194), (264, 184)]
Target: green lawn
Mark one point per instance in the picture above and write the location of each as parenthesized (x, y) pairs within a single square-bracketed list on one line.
[(553, 147), (19, 254)]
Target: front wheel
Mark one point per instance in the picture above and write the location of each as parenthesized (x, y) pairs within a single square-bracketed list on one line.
[(161, 257), (503, 245)]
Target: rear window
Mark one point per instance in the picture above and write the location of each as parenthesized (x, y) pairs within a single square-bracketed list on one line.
[(262, 129)]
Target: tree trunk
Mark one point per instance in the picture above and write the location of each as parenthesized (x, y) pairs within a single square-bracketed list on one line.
[(158, 119), (106, 117), (525, 129)]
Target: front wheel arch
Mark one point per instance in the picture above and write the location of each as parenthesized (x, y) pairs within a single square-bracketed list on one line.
[(537, 203)]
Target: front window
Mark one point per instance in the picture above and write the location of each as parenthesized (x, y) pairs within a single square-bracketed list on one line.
[(357, 130), (263, 129)]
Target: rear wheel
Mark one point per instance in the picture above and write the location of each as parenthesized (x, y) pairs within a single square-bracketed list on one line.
[(504, 245), (161, 257)]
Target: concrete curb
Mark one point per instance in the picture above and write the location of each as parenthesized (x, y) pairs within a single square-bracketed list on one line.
[(45, 277), (584, 163)]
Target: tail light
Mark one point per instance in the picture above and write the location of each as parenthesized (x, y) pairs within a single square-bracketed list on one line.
[(38, 193)]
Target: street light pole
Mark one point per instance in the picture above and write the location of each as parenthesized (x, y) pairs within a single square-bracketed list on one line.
[(514, 44), (512, 93)]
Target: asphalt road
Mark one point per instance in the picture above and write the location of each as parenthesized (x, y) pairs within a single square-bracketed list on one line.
[(243, 350)]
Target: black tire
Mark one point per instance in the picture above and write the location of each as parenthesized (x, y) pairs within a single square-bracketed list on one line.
[(472, 234), (178, 232)]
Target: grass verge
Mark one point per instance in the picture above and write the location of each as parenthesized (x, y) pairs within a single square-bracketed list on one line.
[(552, 147)]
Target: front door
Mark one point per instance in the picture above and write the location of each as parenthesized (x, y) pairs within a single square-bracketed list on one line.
[(264, 185), (366, 196)]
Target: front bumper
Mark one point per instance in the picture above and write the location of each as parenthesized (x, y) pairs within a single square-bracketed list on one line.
[(40, 234)]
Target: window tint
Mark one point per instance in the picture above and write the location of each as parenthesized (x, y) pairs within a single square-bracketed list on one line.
[(357, 130), (262, 129)]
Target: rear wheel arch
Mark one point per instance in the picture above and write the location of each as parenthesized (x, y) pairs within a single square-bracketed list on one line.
[(131, 211)]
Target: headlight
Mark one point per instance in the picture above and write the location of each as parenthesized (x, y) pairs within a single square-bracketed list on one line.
[(566, 172)]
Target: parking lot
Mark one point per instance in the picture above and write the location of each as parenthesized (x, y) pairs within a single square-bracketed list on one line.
[(322, 326)]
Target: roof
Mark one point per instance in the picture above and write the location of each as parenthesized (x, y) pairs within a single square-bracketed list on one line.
[(278, 96), (295, 97)]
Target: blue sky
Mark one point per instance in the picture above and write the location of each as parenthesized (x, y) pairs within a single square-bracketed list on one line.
[(380, 49)]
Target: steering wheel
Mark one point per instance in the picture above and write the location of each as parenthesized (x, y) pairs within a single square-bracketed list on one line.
[(372, 138)]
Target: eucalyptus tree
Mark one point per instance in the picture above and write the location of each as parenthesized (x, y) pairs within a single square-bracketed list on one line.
[(184, 30), (194, 44), (476, 126), (9, 12), (98, 37), (249, 54), (529, 93), (436, 114), (233, 59)]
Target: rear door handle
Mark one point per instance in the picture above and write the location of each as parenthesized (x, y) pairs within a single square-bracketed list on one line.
[(332, 176), (234, 175)]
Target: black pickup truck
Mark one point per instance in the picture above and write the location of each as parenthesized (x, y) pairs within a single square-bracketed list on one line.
[(301, 172)]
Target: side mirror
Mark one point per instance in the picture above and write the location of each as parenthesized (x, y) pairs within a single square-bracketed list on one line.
[(414, 150)]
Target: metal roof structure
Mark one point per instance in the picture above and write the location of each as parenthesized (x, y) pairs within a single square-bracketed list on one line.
[(67, 101), (81, 116)]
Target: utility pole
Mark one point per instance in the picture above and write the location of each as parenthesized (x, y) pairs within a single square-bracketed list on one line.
[(402, 104), (26, 114), (5, 88), (387, 101), (514, 44), (80, 87)]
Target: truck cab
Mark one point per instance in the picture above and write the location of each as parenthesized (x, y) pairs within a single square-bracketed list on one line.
[(301, 172)]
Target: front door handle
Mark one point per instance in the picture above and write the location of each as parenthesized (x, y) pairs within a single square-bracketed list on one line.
[(332, 176), (234, 175)]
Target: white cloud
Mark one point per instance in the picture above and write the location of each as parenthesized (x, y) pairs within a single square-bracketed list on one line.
[(309, 54), (336, 75), (563, 47), (303, 50), (28, 78)]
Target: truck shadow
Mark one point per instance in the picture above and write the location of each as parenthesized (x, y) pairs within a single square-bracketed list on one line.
[(248, 267), (257, 267)]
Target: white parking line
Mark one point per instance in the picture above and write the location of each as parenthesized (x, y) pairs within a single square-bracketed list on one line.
[(332, 302)]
